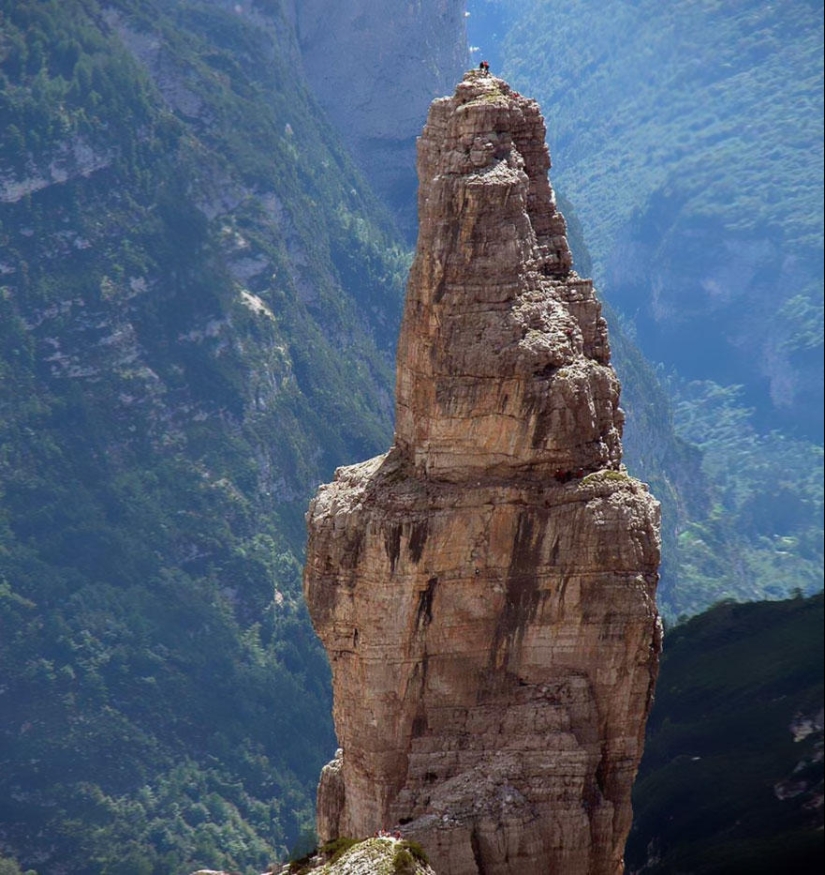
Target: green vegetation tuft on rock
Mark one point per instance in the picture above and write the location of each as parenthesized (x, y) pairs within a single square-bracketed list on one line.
[(403, 862)]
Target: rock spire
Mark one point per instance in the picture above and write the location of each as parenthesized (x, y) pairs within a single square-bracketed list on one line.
[(485, 590)]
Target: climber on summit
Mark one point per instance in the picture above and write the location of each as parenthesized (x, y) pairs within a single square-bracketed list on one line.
[(484, 67)]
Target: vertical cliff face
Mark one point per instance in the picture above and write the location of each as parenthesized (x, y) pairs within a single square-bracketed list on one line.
[(375, 66), (485, 591)]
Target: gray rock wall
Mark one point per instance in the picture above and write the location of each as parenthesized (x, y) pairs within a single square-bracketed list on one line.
[(375, 67)]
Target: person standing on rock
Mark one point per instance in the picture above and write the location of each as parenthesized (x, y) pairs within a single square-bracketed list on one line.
[(484, 67)]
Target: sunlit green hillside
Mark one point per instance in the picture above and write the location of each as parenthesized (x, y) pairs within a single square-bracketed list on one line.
[(198, 301), (657, 93)]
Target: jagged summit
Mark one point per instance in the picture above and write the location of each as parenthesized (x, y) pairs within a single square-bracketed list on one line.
[(485, 591), (503, 355), (489, 131)]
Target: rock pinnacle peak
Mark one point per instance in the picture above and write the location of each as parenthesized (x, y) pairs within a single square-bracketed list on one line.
[(486, 590), (503, 359)]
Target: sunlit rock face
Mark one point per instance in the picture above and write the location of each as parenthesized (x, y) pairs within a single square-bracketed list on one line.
[(486, 590)]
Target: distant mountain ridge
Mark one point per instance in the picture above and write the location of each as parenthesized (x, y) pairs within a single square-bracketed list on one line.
[(375, 68)]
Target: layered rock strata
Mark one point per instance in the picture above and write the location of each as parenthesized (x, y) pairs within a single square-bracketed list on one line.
[(485, 590)]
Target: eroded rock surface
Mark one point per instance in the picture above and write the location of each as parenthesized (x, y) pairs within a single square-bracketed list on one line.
[(485, 591)]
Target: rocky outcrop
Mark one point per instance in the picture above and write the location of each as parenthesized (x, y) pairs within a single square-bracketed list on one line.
[(379, 855), (485, 590), (74, 158)]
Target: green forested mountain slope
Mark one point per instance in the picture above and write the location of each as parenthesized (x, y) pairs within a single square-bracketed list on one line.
[(731, 780), (198, 301), (662, 75), (689, 137)]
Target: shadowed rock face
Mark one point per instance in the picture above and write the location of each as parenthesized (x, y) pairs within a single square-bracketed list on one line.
[(374, 67), (485, 591)]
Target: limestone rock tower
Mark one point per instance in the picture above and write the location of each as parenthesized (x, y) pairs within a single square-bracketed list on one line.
[(486, 590)]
